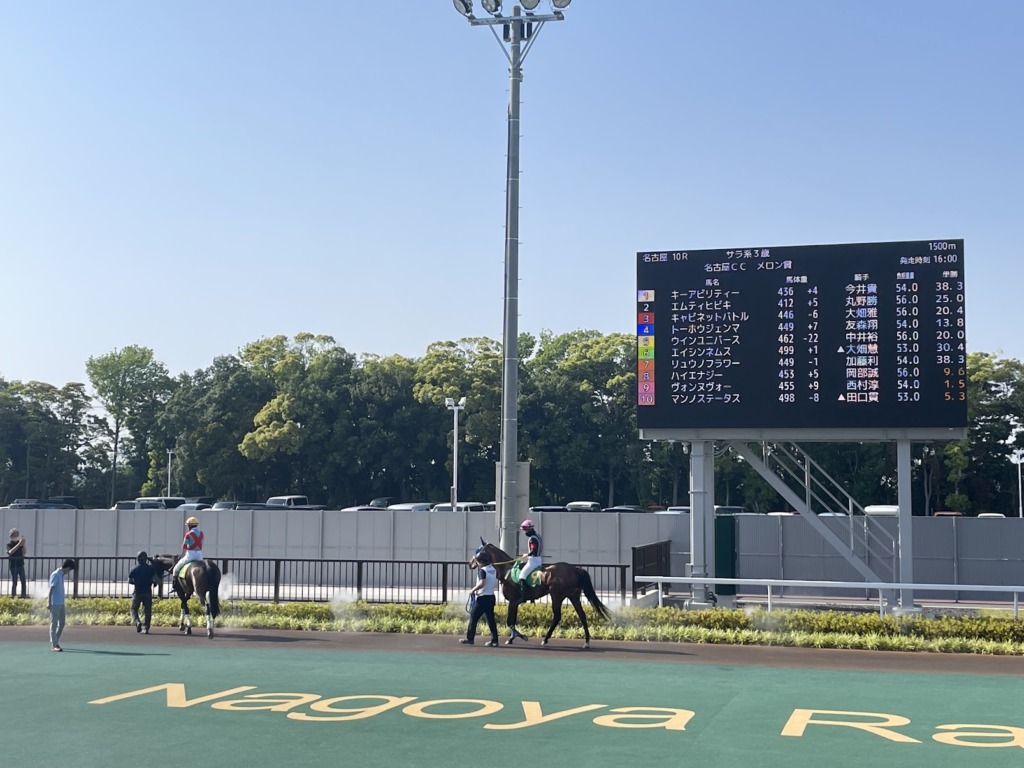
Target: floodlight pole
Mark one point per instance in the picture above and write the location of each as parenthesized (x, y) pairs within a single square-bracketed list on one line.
[(170, 461), (1018, 456), (516, 31)]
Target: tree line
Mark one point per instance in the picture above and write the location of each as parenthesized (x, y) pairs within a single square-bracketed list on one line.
[(303, 415)]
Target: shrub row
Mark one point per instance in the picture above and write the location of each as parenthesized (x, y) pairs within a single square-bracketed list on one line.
[(826, 629)]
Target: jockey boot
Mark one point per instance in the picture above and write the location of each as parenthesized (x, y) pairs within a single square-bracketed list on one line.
[(522, 591)]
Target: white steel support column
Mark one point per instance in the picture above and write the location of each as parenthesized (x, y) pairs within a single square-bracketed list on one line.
[(906, 522)]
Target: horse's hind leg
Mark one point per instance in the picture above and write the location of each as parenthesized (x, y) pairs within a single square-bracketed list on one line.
[(209, 617), (185, 623), (578, 605)]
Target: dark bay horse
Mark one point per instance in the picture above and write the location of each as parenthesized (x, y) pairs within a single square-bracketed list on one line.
[(202, 579), (560, 580)]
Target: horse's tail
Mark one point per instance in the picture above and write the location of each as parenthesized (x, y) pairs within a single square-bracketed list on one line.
[(583, 579), (213, 577)]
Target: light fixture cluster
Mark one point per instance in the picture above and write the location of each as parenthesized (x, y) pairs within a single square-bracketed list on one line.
[(493, 7)]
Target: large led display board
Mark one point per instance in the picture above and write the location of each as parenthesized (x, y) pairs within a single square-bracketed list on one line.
[(863, 336)]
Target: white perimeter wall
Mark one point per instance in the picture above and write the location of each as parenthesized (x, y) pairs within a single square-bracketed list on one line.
[(576, 537)]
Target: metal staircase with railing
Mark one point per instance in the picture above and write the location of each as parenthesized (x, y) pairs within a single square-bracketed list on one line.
[(868, 546)]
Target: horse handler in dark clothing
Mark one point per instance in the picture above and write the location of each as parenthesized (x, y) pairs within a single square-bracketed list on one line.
[(483, 605), (143, 576)]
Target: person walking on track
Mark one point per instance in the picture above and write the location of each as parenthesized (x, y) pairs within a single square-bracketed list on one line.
[(483, 605), (143, 576)]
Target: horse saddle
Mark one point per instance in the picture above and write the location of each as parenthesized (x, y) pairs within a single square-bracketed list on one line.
[(533, 580), (184, 568)]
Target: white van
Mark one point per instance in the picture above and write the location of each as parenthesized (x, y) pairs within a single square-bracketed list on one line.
[(583, 506), (463, 506), (882, 510), (412, 506), (673, 511), (139, 504)]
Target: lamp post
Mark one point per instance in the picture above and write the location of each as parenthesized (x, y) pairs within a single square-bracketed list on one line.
[(1018, 459), (517, 29), (455, 407), (170, 461)]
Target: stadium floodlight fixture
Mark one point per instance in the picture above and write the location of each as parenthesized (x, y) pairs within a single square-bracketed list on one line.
[(561, 4), (491, 6), (529, 4), (465, 7)]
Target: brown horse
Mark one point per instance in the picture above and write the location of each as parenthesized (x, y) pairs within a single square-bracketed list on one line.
[(560, 580), (200, 578)]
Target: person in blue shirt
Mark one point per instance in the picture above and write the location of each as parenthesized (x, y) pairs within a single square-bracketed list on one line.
[(55, 603)]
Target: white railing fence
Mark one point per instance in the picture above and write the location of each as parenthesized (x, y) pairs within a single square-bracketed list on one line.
[(883, 588)]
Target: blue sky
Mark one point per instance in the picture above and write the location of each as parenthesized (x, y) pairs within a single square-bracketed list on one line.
[(194, 176)]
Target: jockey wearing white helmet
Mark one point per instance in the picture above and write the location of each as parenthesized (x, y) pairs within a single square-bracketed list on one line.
[(191, 545)]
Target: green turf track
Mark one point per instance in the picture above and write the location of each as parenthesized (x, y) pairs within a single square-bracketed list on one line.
[(739, 712)]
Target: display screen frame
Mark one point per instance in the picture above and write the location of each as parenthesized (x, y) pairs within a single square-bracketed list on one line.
[(864, 341)]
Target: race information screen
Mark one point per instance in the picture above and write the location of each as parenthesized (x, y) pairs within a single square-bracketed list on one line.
[(818, 336)]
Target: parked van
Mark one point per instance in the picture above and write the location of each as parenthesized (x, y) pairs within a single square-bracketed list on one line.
[(583, 506), (411, 506), (882, 510), (137, 504), (724, 510), (463, 506), (673, 511)]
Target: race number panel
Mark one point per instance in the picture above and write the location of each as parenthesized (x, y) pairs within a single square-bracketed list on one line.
[(864, 335)]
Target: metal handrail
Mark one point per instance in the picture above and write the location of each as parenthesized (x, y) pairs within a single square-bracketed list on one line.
[(881, 586)]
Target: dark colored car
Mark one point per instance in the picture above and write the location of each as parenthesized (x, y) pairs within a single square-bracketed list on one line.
[(71, 500)]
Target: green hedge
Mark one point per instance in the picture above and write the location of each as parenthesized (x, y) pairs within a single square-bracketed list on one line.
[(818, 629)]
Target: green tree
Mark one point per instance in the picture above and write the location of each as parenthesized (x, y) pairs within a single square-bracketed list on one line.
[(132, 386), (470, 368), (305, 435)]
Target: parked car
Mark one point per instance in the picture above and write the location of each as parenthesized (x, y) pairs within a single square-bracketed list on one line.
[(362, 508), (27, 504), (463, 506), (136, 504), (548, 508), (194, 507), (69, 500), (168, 502), (293, 501), (881, 510), (583, 506), (673, 511), (411, 506), (383, 502), (239, 505), (727, 510), (625, 508)]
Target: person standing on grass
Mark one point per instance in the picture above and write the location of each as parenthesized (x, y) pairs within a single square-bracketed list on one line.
[(55, 603), (16, 549), (143, 576), (483, 606)]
